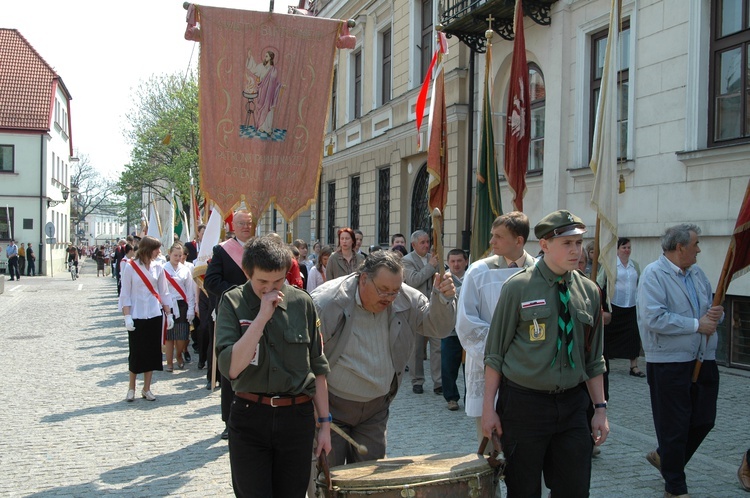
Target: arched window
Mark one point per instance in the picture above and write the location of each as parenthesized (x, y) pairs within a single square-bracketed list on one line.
[(538, 95)]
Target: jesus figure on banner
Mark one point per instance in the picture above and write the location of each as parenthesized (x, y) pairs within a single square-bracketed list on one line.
[(262, 88)]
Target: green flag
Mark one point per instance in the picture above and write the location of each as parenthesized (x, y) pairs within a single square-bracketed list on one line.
[(177, 217), (487, 202)]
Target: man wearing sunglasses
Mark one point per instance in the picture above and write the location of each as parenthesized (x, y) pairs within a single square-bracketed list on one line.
[(369, 321)]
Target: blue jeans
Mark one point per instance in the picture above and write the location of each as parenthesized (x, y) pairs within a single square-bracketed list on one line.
[(270, 448), (451, 363)]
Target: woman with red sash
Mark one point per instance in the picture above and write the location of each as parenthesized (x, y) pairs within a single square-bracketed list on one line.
[(182, 290), (145, 301)]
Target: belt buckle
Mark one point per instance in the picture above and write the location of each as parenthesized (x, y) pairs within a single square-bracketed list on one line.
[(559, 390), (273, 398)]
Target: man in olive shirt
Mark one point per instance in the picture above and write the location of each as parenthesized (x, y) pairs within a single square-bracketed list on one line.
[(268, 345), (545, 349)]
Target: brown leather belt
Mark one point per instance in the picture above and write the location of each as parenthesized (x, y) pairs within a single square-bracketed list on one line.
[(274, 401)]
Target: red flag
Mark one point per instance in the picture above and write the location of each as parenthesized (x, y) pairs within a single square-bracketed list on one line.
[(738, 254), (518, 126), (437, 149)]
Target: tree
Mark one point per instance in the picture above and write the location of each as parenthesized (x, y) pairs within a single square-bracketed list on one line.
[(90, 191), (163, 131)]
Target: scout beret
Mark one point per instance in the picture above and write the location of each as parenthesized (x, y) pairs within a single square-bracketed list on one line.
[(560, 223)]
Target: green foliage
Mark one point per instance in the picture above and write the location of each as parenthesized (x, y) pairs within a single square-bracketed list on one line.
[(165, 109)]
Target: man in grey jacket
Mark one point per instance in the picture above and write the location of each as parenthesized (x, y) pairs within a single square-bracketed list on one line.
[(369, 321), (677, 323)]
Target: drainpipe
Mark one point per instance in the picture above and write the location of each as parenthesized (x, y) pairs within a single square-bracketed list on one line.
[(466, 234), (40, 252)]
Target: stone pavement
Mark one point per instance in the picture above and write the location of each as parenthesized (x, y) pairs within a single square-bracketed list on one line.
[(67, 431)]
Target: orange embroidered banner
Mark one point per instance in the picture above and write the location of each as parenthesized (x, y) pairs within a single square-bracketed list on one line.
[(265, 84)]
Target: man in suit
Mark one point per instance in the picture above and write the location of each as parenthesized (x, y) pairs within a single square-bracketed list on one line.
[(194, 246), (480, 292), (419, 269), (224, 272)]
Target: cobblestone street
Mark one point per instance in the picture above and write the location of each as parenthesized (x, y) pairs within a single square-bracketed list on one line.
[(67, 431)]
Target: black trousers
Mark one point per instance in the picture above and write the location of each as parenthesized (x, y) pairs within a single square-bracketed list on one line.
[(13, 268), (545, 434), (269, 449), (684, 413)]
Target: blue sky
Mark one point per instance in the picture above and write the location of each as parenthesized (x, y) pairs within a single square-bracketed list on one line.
[(103, 52)]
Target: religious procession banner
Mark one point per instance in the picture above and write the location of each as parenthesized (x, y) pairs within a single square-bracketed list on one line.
[(265, 85)]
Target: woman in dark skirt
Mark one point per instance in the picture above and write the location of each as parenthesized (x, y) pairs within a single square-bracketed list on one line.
[(621, 336), (144, 299)]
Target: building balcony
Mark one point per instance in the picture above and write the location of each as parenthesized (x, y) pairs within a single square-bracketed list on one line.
[(468, 19)]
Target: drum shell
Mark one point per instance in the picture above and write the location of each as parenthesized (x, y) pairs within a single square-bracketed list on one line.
[(442, 475)]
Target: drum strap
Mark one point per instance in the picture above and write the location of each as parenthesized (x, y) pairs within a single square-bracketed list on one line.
[(496, 459)]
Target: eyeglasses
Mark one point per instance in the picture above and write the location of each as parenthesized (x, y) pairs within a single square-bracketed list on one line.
[(387, 295), (243, 224)]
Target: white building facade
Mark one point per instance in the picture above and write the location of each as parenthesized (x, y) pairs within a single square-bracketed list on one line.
[(36, 152), (684, 122)]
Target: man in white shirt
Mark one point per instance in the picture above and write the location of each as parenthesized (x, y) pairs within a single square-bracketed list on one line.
[(479, 295)]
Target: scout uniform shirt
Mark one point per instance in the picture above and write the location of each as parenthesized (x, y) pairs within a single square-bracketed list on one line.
[(290, 351), (522, 343)]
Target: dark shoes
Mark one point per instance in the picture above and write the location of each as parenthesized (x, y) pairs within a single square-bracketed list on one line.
[(635, 372), (201, 365), (417, 389), (188, 359), (438, 390), (225, 434)]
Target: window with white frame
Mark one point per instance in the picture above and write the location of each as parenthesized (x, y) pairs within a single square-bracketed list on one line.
[(538, 96), (426, 36), (7, 159), (356, 74), (598, 49), (385, 66), (729, 69)]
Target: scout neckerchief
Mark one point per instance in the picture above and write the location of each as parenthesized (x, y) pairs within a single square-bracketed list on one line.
[(564, 322), (150, 287)]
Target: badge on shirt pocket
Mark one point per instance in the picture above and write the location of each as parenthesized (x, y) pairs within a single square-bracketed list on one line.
[(536, 331)]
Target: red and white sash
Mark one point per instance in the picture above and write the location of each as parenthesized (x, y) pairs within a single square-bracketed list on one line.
[(150, 287), (180, 291), (234, 248)]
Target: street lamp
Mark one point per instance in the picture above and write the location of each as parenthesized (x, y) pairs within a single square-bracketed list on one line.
[(65, 192)]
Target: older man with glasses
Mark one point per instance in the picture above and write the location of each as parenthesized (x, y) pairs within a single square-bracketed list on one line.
[(369, 321)]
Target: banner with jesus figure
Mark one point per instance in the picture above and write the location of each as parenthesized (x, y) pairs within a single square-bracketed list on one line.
[(265, 85)]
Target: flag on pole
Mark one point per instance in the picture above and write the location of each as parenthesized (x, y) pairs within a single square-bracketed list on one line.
[(487, 202), (179, 227), (154, 226), (437, 145), (737, 261), (518, 123), (604, 155), (422, 97)]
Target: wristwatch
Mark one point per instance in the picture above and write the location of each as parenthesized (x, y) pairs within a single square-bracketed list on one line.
[(600, 405)]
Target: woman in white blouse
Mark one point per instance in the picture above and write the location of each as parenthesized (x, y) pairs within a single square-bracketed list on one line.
[(144, 300), (317, 274), (621, 336), (182, 290)]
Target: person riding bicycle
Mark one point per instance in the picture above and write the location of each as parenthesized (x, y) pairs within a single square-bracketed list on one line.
[(73, 256)]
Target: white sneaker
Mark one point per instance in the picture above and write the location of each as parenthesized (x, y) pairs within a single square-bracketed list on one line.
[(148, 395), (130, 396)]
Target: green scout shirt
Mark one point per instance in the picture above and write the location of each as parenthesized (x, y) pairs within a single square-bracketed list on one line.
[(523, 353), (290, 352)]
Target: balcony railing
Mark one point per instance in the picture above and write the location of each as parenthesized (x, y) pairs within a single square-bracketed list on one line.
[(467, 19)]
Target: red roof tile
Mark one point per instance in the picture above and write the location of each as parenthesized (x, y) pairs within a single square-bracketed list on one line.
[(26, 84)]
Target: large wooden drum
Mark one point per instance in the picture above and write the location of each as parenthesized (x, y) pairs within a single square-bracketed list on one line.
[(445, 475)]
